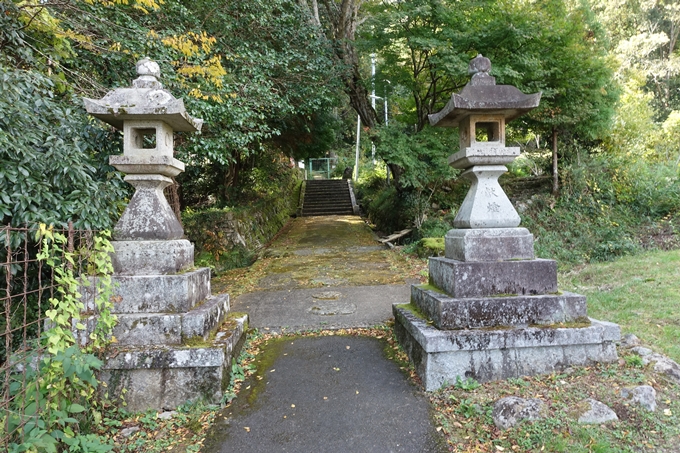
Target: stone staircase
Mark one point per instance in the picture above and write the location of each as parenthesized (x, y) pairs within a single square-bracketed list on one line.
[(328, 197)]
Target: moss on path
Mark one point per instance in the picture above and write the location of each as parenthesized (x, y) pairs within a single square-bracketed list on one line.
[(320, 252)]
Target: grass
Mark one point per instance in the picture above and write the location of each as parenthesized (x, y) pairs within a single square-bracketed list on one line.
[(640, 293)]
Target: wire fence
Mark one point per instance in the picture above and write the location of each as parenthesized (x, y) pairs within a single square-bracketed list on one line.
[(26, 286)]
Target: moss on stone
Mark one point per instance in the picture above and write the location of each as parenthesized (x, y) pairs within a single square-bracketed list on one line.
[(430, 247), (415, 311), (576, 324), (431, 287)]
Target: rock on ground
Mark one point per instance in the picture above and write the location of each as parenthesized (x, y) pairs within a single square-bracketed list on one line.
[(643, 395), (630, 341), (509, 411), (662, 364), (596, 412)]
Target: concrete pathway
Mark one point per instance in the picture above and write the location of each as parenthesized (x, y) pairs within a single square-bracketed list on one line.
[(326, 394), (314, 308)]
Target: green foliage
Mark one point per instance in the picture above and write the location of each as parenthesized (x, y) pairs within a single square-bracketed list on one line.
[(550, 46), (644, 36), (51, 158), (633, 360), (467, 384), (229, 237), (55, 402), (422, 156), (385, 210), (605, 203)]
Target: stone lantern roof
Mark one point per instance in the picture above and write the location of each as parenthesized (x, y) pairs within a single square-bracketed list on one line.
[(482, 96), (145, 100)]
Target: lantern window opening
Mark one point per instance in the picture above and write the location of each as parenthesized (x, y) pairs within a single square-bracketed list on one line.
[(144, 138), (487, 131)]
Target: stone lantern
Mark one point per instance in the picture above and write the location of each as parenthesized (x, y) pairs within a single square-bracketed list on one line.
[(148, 116), (486, 222), (163, 303), (491, 309)]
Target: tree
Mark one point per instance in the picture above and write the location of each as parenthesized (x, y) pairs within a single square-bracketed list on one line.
[(341, 18), (427, 44), (52, 157), (644, 37), (249, 69)]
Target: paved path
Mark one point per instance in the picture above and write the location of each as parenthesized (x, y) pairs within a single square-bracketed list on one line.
[(325, 394)]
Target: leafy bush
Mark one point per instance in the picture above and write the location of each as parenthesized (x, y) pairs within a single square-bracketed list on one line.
[(605, 202), (52, 158)]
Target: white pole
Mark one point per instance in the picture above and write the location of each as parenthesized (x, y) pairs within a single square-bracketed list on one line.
[(385, 99), (373, 99), (356, 160)]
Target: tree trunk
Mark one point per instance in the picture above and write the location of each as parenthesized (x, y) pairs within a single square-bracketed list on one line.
[(555, 174), (396, 171), (344, 19)]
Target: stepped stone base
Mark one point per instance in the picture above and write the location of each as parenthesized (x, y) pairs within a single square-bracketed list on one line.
[(441, 356), (176, 293), (167, 376), (491, 278), (465, 313), (172, 328)]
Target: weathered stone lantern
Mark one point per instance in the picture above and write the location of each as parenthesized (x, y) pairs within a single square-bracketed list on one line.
[(164, 305), (492, 309), (148, 116), (480, 112)]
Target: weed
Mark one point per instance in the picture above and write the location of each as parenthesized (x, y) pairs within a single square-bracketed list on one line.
[(520, 382), (634, 360), (468, 409), (467, 384)]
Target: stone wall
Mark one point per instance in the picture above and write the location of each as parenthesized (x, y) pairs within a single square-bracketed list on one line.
[(249, 228)]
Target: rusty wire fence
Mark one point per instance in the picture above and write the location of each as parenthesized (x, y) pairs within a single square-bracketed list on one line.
[(26, 286)]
